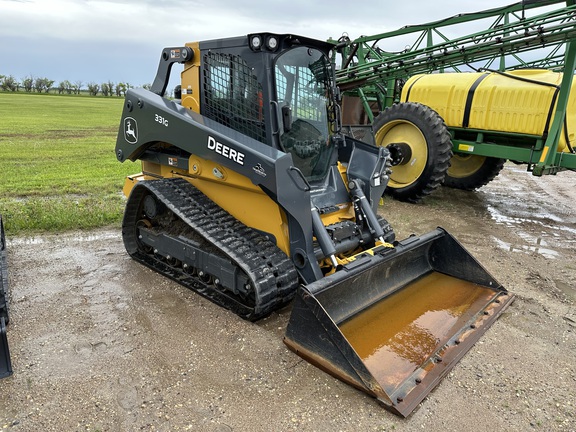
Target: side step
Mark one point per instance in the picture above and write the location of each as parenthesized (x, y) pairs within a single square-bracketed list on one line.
[(5, 363)]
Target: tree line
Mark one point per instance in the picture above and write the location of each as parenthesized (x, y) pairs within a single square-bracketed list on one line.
[(44, 85)]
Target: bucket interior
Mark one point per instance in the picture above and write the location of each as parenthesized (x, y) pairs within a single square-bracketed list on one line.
[(397, 335)]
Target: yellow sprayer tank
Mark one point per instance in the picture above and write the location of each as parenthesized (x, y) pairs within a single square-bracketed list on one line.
[(521, 101)]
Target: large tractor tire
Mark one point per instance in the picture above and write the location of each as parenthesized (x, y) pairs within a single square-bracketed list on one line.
[(469, 172), (420, 146)]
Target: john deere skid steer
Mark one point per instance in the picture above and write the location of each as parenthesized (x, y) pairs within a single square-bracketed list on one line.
[(251, 196)]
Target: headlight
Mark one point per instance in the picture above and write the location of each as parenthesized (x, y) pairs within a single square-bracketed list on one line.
[(272, 43), (256, 42)]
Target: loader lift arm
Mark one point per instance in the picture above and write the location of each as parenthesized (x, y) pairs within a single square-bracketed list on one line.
[(201, 136), (168, 58)]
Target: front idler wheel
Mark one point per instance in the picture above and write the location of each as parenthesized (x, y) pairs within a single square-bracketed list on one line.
[(152, 207)]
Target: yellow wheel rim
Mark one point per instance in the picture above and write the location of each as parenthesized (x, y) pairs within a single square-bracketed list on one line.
[(462, 166), (402, 131)]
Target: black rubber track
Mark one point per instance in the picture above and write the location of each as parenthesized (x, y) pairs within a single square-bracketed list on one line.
[(271, 274), (438, 143)]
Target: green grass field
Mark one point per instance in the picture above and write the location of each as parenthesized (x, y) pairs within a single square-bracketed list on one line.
[(57, 163)]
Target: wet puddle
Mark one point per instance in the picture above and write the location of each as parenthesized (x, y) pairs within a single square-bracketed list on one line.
[(541, 219), (82, 237), (536, 248)]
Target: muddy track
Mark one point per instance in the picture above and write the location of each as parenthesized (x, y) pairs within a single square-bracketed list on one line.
[(101, 343)]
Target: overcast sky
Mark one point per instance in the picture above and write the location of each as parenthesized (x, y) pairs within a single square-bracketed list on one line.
[(121, 40)]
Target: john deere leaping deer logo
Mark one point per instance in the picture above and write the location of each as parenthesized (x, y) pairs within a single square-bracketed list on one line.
[(130, 130)]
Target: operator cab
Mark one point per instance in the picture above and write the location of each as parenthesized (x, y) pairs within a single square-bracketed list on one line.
[(294, 109)]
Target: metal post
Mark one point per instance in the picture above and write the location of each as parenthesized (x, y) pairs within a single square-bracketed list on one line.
[(546, 164)]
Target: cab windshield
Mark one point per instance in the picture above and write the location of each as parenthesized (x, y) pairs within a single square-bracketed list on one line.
[(303, 84)]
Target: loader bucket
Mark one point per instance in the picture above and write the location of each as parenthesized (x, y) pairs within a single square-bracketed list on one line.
[(395, 323)]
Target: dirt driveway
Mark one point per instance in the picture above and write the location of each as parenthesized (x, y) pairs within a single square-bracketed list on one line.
[(100, 343)]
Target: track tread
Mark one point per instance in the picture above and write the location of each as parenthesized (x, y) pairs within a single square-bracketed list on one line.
[(270, 271)]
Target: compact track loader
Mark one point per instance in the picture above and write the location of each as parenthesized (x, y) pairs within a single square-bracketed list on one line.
[(251, 196)]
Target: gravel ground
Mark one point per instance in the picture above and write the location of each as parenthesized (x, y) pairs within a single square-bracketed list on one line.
[(100, 343)]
